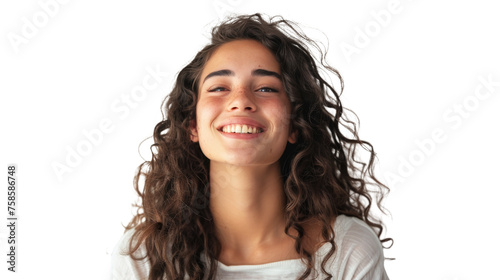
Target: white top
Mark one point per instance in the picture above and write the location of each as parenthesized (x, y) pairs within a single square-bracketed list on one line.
[(358, 256)]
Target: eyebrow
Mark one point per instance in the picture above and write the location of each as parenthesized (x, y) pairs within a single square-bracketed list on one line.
[(256, 72)]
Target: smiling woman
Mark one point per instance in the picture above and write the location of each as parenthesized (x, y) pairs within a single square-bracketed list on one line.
[(252, 176)]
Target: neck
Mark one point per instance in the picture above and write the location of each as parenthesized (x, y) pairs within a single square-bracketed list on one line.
[(247, 204)]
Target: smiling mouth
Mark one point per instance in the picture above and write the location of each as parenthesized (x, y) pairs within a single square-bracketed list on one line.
[(241, 129)]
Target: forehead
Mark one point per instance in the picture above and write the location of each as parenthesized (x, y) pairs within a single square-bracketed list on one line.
[(244, 55)]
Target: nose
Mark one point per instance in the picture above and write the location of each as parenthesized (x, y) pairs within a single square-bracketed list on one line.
[(242, 100)]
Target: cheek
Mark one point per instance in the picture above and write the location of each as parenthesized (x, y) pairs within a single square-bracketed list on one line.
[(201, 111), (205, 116), (282, 115), (207, 107)]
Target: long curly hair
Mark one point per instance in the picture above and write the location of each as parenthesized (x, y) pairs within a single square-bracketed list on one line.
[(323, 173)]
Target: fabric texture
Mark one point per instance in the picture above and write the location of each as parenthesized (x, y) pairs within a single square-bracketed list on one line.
[(359, 256)]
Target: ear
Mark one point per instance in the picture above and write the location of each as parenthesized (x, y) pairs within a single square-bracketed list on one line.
[(293, 137), (194, 131)]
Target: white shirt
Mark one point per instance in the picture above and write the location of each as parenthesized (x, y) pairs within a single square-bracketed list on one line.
[(359, 256)]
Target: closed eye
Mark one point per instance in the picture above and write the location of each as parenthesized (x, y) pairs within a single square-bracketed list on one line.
[(267, 89), (217, 89)]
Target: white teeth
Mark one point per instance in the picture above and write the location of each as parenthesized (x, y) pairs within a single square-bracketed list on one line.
[(240, 128)]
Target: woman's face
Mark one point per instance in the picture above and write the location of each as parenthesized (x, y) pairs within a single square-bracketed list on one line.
[(243, 112)]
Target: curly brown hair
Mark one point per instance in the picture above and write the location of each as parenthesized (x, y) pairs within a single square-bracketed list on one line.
[(323, 175)]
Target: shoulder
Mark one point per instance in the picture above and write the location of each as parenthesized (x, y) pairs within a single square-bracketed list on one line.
[(359, 253), (123, 266), (351, 232)]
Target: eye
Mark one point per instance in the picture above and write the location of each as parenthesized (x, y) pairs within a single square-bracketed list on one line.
[(267, 89), (217, 89)]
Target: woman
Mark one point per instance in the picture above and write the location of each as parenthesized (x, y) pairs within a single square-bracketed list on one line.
[(251, 176)]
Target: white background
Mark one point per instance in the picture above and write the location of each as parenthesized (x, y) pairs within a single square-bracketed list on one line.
[(408, 78)]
